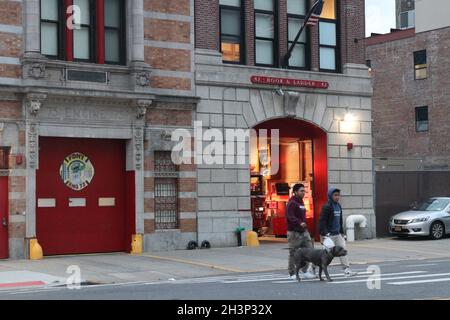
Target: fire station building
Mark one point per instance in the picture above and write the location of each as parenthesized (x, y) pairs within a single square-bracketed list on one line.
[(320, 103), (89, 101)]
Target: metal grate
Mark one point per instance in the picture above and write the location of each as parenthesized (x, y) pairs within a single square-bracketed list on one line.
[(166, 191), (4, 157)]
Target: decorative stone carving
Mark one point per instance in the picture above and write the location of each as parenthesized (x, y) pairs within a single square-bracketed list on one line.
[(166, 136), (138, 147), (34, 70), (143, 78), (34, 102), (32, 145), (141, 108)]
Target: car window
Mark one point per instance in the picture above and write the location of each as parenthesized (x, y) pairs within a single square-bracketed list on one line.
[(432, 205)]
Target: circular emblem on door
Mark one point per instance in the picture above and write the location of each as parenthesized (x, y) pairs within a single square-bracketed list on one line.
[(76, 171)]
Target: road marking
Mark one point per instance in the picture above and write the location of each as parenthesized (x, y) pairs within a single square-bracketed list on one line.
[(442, 254), (359, 275), (391, 278), (400, 283), (420, 265), (195, 263)]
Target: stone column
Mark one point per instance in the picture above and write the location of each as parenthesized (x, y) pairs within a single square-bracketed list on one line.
[(33, 103), (137, 31), (32, 21), (137, 161)]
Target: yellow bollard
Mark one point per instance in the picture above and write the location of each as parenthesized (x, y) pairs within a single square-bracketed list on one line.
[(252, 239), (136, 244), (35, 250)]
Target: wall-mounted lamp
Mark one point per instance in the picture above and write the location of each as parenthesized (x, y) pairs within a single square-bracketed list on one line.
[(280, 92)]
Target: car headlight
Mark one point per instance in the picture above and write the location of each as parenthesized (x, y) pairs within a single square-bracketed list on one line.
[(419, 220)]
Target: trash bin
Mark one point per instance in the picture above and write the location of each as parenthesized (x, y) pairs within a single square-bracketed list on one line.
[(239, 235)]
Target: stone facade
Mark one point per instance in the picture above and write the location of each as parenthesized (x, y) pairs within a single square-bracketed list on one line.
[(397, 145), (151, 94), (230, 100)]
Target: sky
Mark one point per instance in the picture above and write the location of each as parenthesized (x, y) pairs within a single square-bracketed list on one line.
[(380, 16)]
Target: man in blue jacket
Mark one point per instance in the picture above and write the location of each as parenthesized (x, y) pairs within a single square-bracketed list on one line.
[(331, 225), (297, 230)]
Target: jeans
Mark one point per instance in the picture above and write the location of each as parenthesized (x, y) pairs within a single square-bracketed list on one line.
[(297, 240), (339, 241)]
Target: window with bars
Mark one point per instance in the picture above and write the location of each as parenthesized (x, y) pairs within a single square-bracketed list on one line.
[(166, 191), (4, 157), (96, 34)]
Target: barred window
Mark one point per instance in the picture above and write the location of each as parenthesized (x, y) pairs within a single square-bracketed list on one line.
[(4, 155), (166, 191)]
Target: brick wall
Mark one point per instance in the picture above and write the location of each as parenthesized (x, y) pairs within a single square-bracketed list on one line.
[(11, 43), (397, 94), (351, 21), (167, 35)]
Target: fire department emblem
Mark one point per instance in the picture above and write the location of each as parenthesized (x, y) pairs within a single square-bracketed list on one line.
[(76, 171)]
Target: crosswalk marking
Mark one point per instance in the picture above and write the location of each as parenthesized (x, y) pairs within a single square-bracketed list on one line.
[(359, 275), (392, 278), (400, 283)]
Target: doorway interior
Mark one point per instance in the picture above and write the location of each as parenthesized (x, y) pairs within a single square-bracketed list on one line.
[(302, 159)]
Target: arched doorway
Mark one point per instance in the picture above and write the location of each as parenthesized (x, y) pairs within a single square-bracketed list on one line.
[(302, 159)]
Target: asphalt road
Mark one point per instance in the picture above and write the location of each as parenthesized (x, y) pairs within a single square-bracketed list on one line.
[(423, 279)]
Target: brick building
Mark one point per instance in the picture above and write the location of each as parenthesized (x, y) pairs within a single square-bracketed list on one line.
[(410, 111), (325, 133), (86, 114)]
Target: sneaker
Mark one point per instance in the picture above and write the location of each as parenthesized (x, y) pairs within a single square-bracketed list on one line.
[(293, 277), (309, 275), (349, 272)]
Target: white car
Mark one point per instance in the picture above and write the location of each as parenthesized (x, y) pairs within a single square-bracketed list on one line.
[(429, 218)]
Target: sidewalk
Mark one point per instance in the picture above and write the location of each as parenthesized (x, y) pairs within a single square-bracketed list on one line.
[(181, 264)]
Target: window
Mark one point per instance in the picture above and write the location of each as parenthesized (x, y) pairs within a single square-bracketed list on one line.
[(421, 119), (420, 65), (166, 191), (97, 34), (296, 13), (328, 37), (4, 157), (407, 19), (265, 32), (231, 26), (50, 28)]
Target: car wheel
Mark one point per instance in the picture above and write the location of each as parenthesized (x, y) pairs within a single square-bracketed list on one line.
[(437, 230)]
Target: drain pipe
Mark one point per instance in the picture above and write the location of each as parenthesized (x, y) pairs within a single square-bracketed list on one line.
[(350, 223)]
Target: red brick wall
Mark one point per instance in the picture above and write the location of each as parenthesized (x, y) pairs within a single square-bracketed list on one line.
[(207, 26), (351, 20), (397, 94), (167, 25), (11, 12)]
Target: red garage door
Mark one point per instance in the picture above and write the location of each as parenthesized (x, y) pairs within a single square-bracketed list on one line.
[(3, 217), (81, 195)]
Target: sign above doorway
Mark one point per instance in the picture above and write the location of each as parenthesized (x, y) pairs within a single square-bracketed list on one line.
[(289, 82)]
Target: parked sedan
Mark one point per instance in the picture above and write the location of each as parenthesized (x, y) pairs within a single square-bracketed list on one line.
[(429, 218)]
